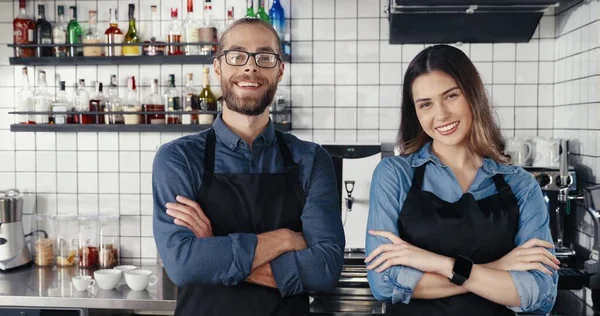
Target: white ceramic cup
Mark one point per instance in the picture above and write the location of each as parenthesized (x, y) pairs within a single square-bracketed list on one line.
[(82, 282), (107, 279), (124, 268), (139, 280)]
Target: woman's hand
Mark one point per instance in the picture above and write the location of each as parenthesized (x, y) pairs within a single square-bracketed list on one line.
[(402, 253), (189, 214), (529, 256)]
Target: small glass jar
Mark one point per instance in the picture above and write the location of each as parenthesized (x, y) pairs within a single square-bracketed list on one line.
[(109, 241), (44, 228), (67, 240), (88, 241)]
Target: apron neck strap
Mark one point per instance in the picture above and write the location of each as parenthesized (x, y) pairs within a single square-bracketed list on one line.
[(418, 177), (501, 185), (288, 160)]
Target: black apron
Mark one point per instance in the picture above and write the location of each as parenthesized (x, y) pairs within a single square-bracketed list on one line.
[(246, 203), (482, 230)]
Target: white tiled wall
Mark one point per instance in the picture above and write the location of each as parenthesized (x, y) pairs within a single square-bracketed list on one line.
[(344, 81)]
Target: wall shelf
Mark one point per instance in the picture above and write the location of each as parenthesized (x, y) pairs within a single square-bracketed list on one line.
[(137, 128)]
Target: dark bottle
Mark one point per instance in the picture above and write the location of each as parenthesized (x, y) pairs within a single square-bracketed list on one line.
[(43, 33), (97, 104)]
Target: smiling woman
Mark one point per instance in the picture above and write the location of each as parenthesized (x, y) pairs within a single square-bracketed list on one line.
[(454, 229)]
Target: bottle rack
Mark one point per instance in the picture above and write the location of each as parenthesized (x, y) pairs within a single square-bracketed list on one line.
[(124, 128), (117, 60)]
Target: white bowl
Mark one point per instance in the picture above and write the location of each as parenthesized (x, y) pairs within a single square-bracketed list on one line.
[(124, 268), (107, 279)]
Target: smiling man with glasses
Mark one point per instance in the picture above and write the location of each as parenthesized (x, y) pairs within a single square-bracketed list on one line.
[(247, 218)]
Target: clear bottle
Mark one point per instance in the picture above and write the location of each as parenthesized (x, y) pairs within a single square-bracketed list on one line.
[(109, 241), (81, 101), (67, 240), (88, 241), (230, 16), (132, 104), (43, 33), (206, 99), (132, 36), (61, 104), (44, 239), (42, 99), (25, 101), (97, 104), (208, 31), (59, 34), (190, 101), (172, 102), (191, 30), (154, 103), (174, 34), (23, 26), (113, 35), (114, 103), (154, 46), (74, 34), (280, 108), (92, 36)]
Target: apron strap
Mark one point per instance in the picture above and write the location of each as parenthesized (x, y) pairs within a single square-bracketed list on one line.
[(209, 156), (418, 176), (501, 185), (288, 160)]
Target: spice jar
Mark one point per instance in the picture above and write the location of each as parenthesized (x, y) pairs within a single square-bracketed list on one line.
[(44, 238), (66, 240), (109, 241), (88, 241)]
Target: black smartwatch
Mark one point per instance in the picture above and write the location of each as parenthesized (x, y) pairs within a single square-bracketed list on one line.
[(462, 270)]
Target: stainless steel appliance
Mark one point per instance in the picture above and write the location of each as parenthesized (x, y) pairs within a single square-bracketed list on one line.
[(14, 252)]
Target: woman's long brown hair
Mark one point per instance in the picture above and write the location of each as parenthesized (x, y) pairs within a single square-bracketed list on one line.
[(484, 138)]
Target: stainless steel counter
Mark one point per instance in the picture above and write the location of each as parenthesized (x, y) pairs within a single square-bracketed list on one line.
[(52, 288)]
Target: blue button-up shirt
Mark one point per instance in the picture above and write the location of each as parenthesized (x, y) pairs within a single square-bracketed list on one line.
[(390, 185), (178, 169)]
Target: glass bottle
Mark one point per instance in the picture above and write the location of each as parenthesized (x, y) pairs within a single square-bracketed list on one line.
[(88, 241), (114, 103), (174, 34), (277, 16), (190, 30), (154, 103), (208, 31), (59, 34), (109, 241), (280, 107), (43, 33), (172, 102), (23, 27), (45, 237), (67, 240), (113, 35), (262, 13), (190, 101), (132, 104), (92, 36), (81, 101), (74, 34), (206, 99), (97, 104), (132, 36), (230, 16), (250, 9), (61, 104), (25, 101), (42, 99), (154, 47)]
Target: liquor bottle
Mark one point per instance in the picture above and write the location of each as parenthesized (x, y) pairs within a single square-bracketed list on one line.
[(42, 99), (208, 31), (25, 101), (114, 103), (190, 101), (174, 34), (113, 35), (172, 102), (61, 104), (154, 47), (81, 102), (92, 36), (230, 15), (23, 27), (250, 9), (190, 30), (206, 99), (262, 13), (131, 104), (277, 16), (154, 103), (280, 107), (132, 36), (74, 33), (43, 33), (59, 34), (98, 104)]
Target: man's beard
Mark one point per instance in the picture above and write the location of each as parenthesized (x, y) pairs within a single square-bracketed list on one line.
[(250, 106)]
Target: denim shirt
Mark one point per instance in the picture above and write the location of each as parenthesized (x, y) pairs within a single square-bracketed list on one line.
[(390, 185), (227, 260)]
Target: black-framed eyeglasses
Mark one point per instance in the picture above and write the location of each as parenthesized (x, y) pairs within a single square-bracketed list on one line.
[(240, 58)]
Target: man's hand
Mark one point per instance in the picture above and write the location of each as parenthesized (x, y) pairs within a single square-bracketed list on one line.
[(188, 213), (529, 256), (295, 239)]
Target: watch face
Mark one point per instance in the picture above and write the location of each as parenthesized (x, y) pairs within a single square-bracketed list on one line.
[(462, 267)]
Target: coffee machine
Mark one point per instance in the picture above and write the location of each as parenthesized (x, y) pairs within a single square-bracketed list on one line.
[(14, 251)]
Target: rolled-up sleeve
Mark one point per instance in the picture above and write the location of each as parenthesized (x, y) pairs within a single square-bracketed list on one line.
[(318, 267), (188, 260), (537, 290), (397, 283)]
